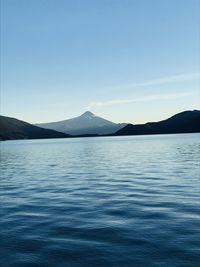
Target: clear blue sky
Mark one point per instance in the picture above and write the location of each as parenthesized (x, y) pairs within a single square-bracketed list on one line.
[(125, 60)]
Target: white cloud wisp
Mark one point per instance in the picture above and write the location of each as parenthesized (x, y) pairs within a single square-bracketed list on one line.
[(164, 80), (141, 99)]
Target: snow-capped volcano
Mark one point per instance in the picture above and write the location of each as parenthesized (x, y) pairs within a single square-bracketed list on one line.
[(87, 123)]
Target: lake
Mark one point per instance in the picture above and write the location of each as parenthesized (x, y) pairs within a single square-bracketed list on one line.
[(108, 201)]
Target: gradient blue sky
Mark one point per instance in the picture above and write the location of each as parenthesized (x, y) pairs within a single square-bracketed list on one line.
[(125, 60)]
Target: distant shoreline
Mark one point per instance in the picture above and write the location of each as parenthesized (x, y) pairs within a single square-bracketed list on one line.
[(99, 136), (181, 123)]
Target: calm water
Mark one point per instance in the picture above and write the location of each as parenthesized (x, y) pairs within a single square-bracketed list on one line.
[(109, 202)]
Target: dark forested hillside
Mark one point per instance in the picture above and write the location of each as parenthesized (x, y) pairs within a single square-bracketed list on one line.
[(11, 128)]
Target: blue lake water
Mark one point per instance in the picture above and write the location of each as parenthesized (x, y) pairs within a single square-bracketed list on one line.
[(108, 202)]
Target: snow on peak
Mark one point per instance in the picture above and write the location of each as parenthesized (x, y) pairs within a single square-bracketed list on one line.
[(88, 114)]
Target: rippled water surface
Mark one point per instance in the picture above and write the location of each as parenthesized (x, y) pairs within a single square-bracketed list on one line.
[(109, 202)]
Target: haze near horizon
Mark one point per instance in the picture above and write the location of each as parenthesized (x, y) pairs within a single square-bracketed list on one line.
[(126, 61)]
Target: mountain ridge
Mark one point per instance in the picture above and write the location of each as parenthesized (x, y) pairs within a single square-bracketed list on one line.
[(12, 129), (86, 123), (183, 122)]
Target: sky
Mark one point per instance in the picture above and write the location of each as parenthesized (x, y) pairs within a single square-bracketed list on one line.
[(125, 60)]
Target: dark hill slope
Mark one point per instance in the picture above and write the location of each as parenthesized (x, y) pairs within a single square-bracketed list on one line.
[(11, 128), (184, 122)]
